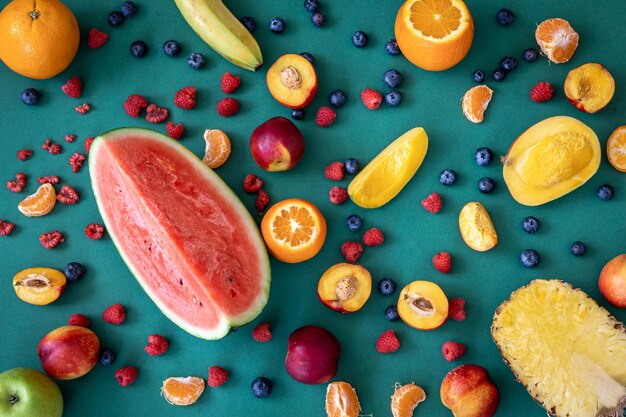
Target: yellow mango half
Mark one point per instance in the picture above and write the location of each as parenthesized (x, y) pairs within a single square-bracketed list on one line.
[(550, 159), (387, 174)]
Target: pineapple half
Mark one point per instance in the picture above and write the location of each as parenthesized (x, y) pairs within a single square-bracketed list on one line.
[(567, 351)]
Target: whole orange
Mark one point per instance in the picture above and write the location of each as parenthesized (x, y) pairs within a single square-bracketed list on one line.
[(38, 39)]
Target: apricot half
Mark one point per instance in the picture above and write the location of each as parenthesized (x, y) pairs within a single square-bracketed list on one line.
[(550, 159), (589, 87), (39, 286), (345, 287), (292, 81), (477, 228), (423, 305)]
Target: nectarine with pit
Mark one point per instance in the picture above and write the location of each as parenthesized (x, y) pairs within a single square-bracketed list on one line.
[(39, 286), (345, 287), (423, 305), (589, 87), (612, 281), (292, 81)]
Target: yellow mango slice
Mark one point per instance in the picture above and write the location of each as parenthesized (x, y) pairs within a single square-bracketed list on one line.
[(477, 228)]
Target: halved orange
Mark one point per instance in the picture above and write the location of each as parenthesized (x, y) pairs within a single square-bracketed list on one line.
[(294, 230), (557, 39), (475, 102), (40, 203), (616, 149), (217, 150), (434, 34), (405, 398), (341, 400), (182, 390)]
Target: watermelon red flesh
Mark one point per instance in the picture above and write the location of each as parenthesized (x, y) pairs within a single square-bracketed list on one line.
[(181, 235)]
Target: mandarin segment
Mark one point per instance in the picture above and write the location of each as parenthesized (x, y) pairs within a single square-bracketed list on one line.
[(40, 203), (475, 102), (217, 148), (616, 149), (182, 390), (405, 399), (557, 39), (341, 400)]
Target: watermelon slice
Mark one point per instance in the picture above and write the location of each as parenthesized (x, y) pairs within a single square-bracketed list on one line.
[(184, 235)]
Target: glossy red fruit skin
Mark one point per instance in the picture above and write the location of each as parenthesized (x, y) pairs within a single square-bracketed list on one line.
[(277, 144), (312, 355)]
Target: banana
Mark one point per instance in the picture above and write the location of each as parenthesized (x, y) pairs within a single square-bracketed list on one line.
[(222, 31)]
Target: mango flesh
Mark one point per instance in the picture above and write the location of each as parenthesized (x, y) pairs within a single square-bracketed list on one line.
[(551, 159)]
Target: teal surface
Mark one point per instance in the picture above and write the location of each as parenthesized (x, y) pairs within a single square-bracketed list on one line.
[(413, 236)]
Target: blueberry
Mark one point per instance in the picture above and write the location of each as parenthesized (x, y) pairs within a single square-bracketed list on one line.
[(530, 55), (391, 313), (318, 19), (116, 18), (578, 248), (606, 192), (171, 48), (391, 46), (311, 5), (386, 286), (337, 98), (31, 96), (107, 357), (74, 271), (249, 23), (261, 387), (529, 258), (138, 49), (277, 25), (352, 166), (531, 224), (354, 223), (392, 78), (486, 185), (498, 74), (508, 63), (308, 57), (483, 156), (359, 39), (393, 98), (478, 76), (129, 8), (297, 114), (447, 177), (504, 17), (196, 61)]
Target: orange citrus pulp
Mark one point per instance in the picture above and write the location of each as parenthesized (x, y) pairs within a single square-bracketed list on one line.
[(217, 150), (40, 203), (341, 400), (405, 398), (557, 39), (475, 102), (616, 149), (182, 390)]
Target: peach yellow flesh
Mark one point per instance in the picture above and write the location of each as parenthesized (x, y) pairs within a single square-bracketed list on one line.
[(589, 87), (477, 228), (423, 305), (345, 287), (292, 81), (39, 286)]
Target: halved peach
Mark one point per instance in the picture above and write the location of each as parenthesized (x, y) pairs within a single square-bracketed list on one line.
[(292, 81), (589, 87), (345, 287), (39, 286), (423, 305)]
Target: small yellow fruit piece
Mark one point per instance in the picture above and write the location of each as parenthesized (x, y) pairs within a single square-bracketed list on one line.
[(40, 203), (475, 102), (182, 390), (616, 149), (39, 286), (345, 287), (423, 305), (476, 227), (385, 176), (589, 87)]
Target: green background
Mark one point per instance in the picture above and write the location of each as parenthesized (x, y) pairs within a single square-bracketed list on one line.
[(413, 236)]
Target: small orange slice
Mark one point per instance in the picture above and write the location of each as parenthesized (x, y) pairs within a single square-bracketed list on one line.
[(182, 390), (475, 102), (217, 148), (405, 398), (616, 149), (341, 400), (40, 203), (557, 39), (294, 230)]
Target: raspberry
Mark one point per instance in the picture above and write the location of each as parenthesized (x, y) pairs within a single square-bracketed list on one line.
[(48, 179), (94, 231), (87, 143), (373, 237), (96, 39), (261, 333), (351, 251), (83, 108), (54, 149), (185, 98), (542, 91), (133, 105), (262, 200), (78, 320), (371, 98), (70, 138), (217, 376), (46, 144), (174, 131), (67, 195), (114, 314), (51, 239), (432, 203), (252, 183), (73, 87), (338, 195), (335, 171), (156, 114), (442, 262), (456, 309), (230, 82), (23, 154), (452, 350), (76, 161), (126, 375), (6, 228), (227, 107), (325, 116), (18, 184), (387, 342), (157, 345)]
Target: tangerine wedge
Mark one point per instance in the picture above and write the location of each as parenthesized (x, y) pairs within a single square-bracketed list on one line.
[(182, 390), (40, 203), (557, 39), (616, 149), (341, 400), (405, 398), (217, 149), (475, 102)]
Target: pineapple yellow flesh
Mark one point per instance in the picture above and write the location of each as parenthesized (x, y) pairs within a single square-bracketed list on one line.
[(567, 351)]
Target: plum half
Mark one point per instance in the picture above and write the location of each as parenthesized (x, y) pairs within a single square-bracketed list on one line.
[(345, 287)]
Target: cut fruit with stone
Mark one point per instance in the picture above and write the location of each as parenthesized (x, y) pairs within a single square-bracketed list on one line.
[(345, 287), (39, 286), (423, 305), (292, 81)]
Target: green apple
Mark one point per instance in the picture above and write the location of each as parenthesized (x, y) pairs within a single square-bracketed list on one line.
[(26, 392)]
